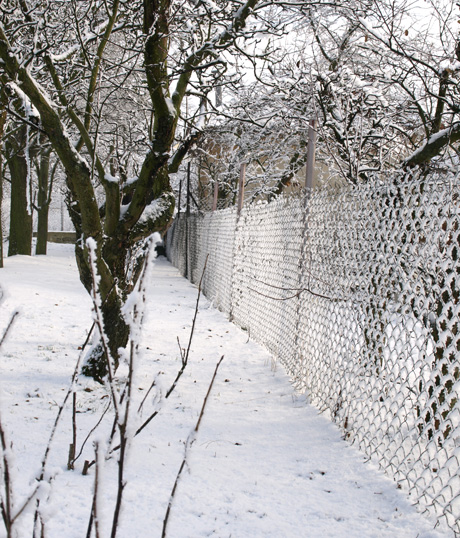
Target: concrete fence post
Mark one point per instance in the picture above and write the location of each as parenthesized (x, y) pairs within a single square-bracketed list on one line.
[(311, 156), (216, 193), (241, 187)]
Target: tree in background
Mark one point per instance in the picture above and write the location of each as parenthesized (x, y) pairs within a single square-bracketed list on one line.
[(45, 172), (26, 155), (18, 159), (381, 78), (257, 127), (389, 95)]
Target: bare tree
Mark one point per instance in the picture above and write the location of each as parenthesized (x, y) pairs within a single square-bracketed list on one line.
[(382, 79), (420, 59), (82, 63)]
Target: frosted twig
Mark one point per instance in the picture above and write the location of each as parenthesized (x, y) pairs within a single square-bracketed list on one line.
[(99, 323), (184, 355), (93, 518), (188, 445), (6, 504), (125, 433), (8, 327), (96, 491)]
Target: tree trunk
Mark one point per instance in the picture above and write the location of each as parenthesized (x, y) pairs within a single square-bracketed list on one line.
[(43, 201), (113, 294), (3, 102), (21, 210), (111, 288), (1, 200), (2, 125)]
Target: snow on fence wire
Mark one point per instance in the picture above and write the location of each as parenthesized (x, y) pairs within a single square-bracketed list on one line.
[(58, 216), (358, 296)]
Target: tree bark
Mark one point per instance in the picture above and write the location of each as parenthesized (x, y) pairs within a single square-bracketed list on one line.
[(21, 209), (1, 214), (43, 200), (2, 131), (434, 146)]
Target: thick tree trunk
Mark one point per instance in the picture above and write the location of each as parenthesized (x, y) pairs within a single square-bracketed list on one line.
[(21, 210), (1, 200), (112, 290), (113, 294), (2, 130), (116, 333)]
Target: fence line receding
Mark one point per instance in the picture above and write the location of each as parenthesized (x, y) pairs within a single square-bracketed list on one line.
[(359, 298)]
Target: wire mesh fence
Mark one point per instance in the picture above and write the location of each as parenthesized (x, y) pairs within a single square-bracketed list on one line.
[(58, 216), (357, 294)]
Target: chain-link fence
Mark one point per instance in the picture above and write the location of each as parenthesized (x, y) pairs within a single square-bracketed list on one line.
[(357, 293), (58, 216)]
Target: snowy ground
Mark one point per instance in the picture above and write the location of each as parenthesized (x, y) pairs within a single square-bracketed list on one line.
[(264, 464)]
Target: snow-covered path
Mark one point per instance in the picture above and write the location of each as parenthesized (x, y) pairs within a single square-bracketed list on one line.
[(264, 464)]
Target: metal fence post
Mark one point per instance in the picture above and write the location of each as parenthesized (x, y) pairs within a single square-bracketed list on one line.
[(241, 187), (187, 217), (216, 193), (310, 168), (235, 238), (188, 189), (310, 156)]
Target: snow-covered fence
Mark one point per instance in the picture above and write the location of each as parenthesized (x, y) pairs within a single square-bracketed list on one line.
[(58, 216), (359, 298)]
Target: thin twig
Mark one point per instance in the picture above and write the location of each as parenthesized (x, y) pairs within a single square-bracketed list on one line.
[(137, 322), (93, 429), (184, 356), (141, 405), (96, 491), (207, 394), (181, 350), (295, 295), (188, 444), (93, 520), (196, 309), (8, 327), (73, 445), (100, 325), (7, 504)]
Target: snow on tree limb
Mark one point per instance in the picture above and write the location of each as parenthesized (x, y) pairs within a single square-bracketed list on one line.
[(434, 145)]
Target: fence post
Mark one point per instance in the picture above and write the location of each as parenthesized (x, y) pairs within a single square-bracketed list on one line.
[(310, 156), (187, 217), (188, 189), (302, 383), (241, 187), (180, 193), (62, 214), (216, 193), (235, 238)]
